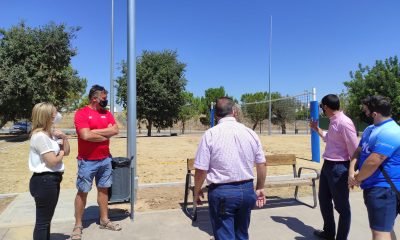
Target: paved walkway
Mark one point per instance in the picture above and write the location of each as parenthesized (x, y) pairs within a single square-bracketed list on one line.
[(280, 220)]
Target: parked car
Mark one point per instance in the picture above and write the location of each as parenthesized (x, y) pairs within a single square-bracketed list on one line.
[(21, 127)]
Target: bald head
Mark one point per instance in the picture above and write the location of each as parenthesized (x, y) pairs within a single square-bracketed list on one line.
[(224, 107)]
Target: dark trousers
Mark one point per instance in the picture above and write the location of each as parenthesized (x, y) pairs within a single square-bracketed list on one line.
[(333, 187), (45, 189), (230, 207)]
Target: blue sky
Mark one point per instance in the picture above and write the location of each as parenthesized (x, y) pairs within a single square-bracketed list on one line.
[(225, 42)]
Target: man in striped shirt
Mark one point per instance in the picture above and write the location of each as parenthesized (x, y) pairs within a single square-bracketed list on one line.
[(226, 157)]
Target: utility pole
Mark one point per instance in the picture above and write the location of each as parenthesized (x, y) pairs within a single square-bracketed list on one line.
[(269, 80)]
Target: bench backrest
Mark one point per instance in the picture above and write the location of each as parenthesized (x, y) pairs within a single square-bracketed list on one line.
[(272, 160), (190, 163), (280, 159)]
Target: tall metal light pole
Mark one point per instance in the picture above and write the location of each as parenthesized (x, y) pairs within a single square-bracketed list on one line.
[(132, 102), (112, 60), (269, 80)]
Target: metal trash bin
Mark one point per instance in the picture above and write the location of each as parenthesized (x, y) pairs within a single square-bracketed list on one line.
[(120, 188)]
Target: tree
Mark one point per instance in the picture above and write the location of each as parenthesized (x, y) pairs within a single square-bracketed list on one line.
[(160, 83), (189, 110), (283, 110), (84, 101), (76, 96), (122, 86), (35, 66), (256, 112), (210, 95), (344, 102), (382, 79)]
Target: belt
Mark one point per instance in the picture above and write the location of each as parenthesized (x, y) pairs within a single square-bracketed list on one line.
[(100, 159), (230, 183), (336, 162), (48, 173)]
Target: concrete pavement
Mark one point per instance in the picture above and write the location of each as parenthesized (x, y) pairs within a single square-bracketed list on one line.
[(279, 220)]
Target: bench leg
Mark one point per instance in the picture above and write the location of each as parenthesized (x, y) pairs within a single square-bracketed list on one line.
[(314, 194), (194, 216), (296, 191), (187, 189), (190, 213)]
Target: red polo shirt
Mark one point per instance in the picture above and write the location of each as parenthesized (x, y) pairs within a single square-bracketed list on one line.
[(92, 119)]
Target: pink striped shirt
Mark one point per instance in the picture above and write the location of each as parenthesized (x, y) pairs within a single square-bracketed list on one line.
[(341, 138), (228, 152)]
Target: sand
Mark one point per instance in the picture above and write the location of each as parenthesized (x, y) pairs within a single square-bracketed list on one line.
[(159, 160)]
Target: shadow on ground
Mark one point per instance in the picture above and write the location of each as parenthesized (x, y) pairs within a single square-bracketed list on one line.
[(203, 219), (58, 236), (275, 202), (297, 226), (91, 215)]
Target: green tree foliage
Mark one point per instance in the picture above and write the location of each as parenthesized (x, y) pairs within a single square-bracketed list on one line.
[(284, 110), (35, 66), (76, 97), (302, 112), (210, 95), (382, 79), (190, 109), (83, 101), (160, 83), (122, 87), (344, 101), (255, 112)]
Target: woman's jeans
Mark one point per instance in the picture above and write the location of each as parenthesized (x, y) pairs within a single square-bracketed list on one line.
[(45, 189)]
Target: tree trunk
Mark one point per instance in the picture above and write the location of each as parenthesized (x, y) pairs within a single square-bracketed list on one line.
[(149, 123), (2, 122), (183, 127), (255, 125), (283, 125)]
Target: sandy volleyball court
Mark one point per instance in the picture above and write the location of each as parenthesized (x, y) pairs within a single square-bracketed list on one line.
[(159, 159)]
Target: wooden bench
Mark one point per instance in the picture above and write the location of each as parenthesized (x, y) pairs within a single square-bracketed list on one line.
[(284, 181)]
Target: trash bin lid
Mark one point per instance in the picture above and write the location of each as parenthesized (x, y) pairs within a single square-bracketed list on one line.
[(120, 162)]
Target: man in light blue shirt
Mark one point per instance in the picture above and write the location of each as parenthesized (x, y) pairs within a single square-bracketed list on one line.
[(379, 146)]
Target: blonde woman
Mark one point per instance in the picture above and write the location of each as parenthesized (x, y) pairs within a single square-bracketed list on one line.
[(47, 149)]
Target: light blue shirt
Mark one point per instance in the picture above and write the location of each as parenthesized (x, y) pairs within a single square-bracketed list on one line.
[(383, 139)]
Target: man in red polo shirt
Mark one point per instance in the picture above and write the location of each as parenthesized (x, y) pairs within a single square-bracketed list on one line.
[(94, 125)]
